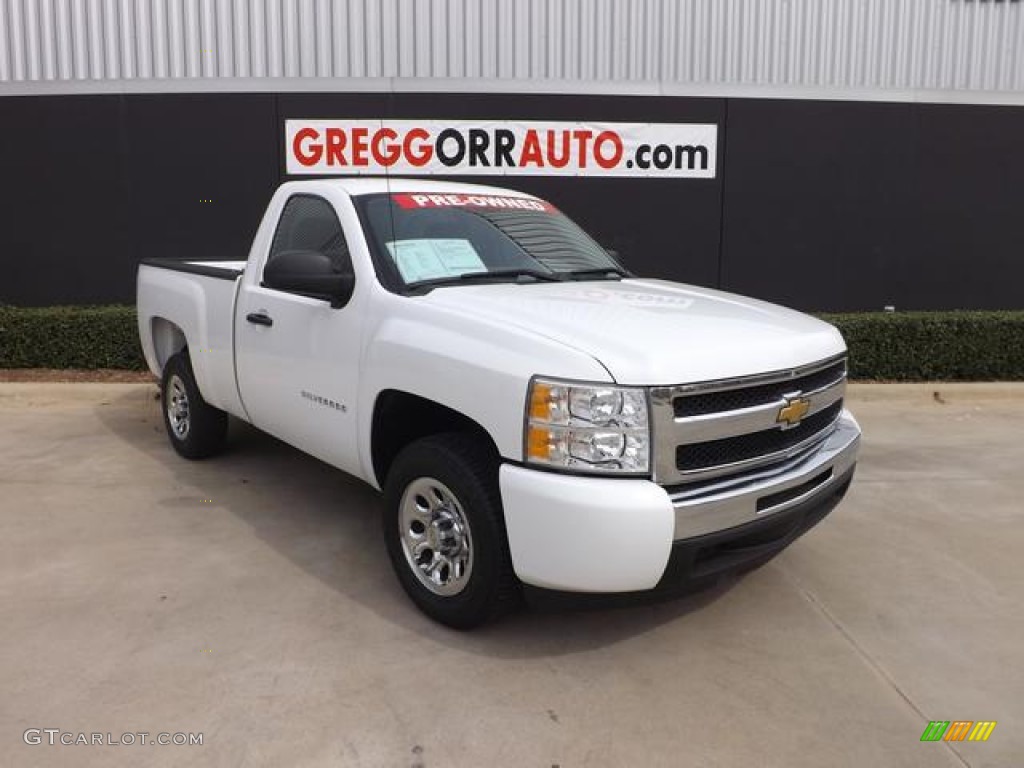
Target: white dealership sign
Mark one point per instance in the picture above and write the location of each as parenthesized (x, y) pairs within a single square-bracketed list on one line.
[(500, 148)]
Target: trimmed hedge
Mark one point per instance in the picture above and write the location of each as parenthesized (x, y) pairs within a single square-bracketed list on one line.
[(70, 337), (934, 346), (888, 346)]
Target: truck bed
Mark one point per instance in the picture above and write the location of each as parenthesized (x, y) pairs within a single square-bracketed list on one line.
[(182, 299)]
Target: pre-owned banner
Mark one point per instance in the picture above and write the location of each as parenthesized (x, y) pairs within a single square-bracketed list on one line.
[(500, 148)]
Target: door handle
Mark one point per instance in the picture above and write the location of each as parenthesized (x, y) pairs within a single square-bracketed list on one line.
[(260, 318)]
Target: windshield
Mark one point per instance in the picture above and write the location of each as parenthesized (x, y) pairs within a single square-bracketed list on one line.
[(440, 239)]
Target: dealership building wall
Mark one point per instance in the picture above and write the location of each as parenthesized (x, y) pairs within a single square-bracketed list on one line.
[(870, 153)]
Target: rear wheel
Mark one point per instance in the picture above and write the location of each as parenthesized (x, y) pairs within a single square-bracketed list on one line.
[(196, 429), (445, 531)]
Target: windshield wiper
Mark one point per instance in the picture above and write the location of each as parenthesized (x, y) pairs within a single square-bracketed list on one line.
[(467, 277), (612, 273)]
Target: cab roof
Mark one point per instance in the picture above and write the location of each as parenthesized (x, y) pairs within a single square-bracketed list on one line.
[(370, 185)]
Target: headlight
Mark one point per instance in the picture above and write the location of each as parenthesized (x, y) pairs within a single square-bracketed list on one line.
[(587, 427)]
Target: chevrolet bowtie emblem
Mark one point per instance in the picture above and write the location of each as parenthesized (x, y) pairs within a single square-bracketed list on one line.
[(793, 411)]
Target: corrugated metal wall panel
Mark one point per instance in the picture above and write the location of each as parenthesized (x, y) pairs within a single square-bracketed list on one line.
[(884, 44)]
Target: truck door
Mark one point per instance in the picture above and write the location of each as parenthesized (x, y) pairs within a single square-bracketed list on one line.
[(297, 356)]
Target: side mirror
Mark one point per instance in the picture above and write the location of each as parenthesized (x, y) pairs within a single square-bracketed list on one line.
[(309, 273)]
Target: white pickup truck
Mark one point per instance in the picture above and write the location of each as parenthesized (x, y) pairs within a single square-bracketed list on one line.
[(534, 414)]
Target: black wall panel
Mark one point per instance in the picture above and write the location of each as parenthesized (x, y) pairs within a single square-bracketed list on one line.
[(817, 195), (94, 184), (819, 205), (967, 246), (63, 227), (858, 206), (200, 170)]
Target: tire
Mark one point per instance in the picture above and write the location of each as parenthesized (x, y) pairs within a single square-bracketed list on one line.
[(445, 530), (196, 429)]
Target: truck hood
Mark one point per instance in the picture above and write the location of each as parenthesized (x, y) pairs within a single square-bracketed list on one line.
[(652, 332)]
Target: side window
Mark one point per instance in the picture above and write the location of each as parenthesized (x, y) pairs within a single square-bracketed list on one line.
[(308, 223)]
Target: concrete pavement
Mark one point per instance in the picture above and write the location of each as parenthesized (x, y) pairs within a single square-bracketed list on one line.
[(249, 598)]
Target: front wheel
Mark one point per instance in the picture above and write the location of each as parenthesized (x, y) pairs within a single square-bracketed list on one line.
[(445, 531)]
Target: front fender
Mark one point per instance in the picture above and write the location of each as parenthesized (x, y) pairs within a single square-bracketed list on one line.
[(474, 367)]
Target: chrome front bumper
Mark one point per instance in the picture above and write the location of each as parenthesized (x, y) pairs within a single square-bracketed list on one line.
[(715, 507)]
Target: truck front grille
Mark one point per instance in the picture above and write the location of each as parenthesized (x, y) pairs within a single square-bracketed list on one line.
[(733, 450), (747, 397), (726, 429)]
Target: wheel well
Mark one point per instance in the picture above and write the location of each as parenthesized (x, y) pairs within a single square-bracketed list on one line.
[(400, 418), (168, 340)]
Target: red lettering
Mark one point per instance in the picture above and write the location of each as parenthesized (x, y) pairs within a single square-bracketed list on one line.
[(307, 154), (531, 151), (603, 138), (385, 154), (419, 154), (429, 200), (411, 201), (553, 159), (336, 146), (359, 146), (582, 137)]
